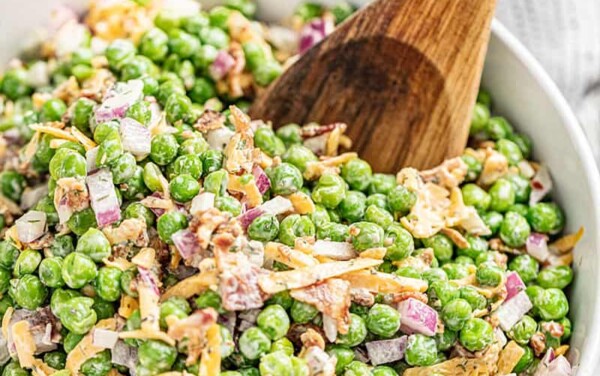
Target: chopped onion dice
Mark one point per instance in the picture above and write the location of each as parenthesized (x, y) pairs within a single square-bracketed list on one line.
[(341, 251), (537, 246), (417, 317), (118, 100), (186, 243), (314, 32), (514, 284), (31, 226), (511, 311), (90, 158), (135, 137), (275, 206), (541, 184), (31, 196), (103, 197), (219, 138), (330, 328), (262, 180), (221, 66), (386, 351), (202, 202), (106, 339)]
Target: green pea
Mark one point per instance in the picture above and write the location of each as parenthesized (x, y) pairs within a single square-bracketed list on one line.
[(475, 196), (14, 369), (481, 115), (384, 371), (103, 130), (246, 7), (546, 218), (290, 134), (78, 270), (474, 167), (378, 216), (523, 142), (178, 108), (77, 315), (175, 306), (343, 354), (44, 152), (308, 10), (434, 274), (498, 128), (209, 298), (284, 345), (476, 247), (400, 199), (473, 297), (109, 150), (402, 243), (12, 184), (98, 365), (52, 110), (383, 320), (441, 292), (282, 298), (228, 204), (60, 298), (489, 274), (357, 173), (555, 276), (523, 330), (168, 88), (299, 156), (212, 160), (27, 262), (456, 313), (502, 195), (267, 72), (320, 216), (152, 177), (525, 361), (183, 44), (408, 272), (552, 304), (135, 189), (567, 328), (357, 368), (51, 272), (6, 302), (202, 90), (366, 235), (108, 283), (184, 188), (5, 276), (123, 168), (445, 340), (514, 230), (214, 37), (277, 363), (492, 220), (169, 223), (8, 254), (520, 209), (510, 150), (254, 343), (103, 309), (186, 164), (379, 200), (352, 207), (382, 183), (163, 149), (94, 244), (285, 179), (28, 291), (216, 182), (522, 187), (118, 52), (476, 334), (274, 321), (336, 232), (302, 313), (295, 226), (265, 139), (442, 246), (357, 332), (526, 266), (156, 355), (264, 228), (420, 350), (55, 359), (140, 111), (153, 44), (14, 83)]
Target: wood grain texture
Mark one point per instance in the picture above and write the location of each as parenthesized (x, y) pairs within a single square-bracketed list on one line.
[(403, 74)]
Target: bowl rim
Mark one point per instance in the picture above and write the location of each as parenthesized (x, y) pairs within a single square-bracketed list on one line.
[(591, 174)]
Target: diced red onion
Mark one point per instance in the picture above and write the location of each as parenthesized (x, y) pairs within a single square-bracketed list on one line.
[(386, 351), (135, 137), (219, 138), (262, 180), (500, 336), (511, 311), (221, 66), (317, 144), (275, 206), (31, 196), (107, 339), (118, 100), (202, 202), (31, 226), (537, 246), (525, 169), (514, 284), (186, 243), (559, 367), (90, 158), (249, 216), (103, 197), (314, 32), (124, 355), (541, 184), (319, 362), (330, 328), (341, 251), (417, 317), (149, 279)]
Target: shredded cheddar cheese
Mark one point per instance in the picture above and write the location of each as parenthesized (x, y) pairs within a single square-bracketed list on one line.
[(210, 362)]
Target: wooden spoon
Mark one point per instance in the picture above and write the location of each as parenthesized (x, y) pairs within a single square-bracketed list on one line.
[(403, 74)]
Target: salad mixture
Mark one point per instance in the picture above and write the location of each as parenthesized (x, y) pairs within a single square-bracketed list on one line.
[(150, 227)]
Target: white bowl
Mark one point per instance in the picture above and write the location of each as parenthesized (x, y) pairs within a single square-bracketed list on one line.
[(523, 93)]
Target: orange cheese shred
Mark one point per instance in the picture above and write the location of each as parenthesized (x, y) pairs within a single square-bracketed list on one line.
[(210, 362), (289, 256), (383, 282)]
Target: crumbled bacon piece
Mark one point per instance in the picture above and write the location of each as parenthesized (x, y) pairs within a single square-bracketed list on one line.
[(538, 343), (193, 329), (313, 130), (296, 331), (494, 167), (362, 297), (130, 230), (555, 329), (209, 120), (205, 224), (312, 338), (449, 174)]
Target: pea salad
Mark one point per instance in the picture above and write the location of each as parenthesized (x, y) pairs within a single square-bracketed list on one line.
[(150, 227)]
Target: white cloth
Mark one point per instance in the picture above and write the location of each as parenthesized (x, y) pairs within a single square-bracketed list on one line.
[(564, 35)]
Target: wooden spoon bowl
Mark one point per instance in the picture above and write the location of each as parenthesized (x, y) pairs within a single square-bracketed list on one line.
[(403, 74)]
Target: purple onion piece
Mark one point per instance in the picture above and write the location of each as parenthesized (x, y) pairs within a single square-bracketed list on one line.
[(262, 180), (149, 279), (537, 246), (222, 64), (541, 185), (135, 137), (249, 216), (31, 226), (417, 317), (386, 351), (314, 32), (118, 100), (514, 284), (90, 158), (103, 197), (186, 243), (513, 310)]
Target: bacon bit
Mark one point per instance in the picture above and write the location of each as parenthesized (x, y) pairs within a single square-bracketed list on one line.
[(275, 282), (567, 242), (252, 195), (450, 174), (312, 338), (68, 91), (302, 203), (210, 363), (291, 257), (71, 195), (374, 253), (331, 297), (426, 217), (555, 329), (509, 357), (84, 140), (193, 285), (205, 223), (315, 169), (362, 296), (130, 230), (85, 348), (238, 152), (209, 120), (384, 283), (53, 131), (410, 178), (312, 130), (538, 343), (402, 296), (465, 217), (127, 306), (153, 202), (193, 330), (494, 167)]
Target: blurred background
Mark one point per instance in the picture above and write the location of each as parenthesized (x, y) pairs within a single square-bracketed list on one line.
[(564, 35)]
